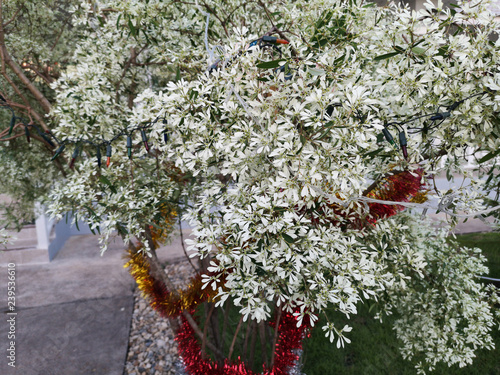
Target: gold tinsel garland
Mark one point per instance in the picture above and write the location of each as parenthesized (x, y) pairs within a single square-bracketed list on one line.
[(165, 302)]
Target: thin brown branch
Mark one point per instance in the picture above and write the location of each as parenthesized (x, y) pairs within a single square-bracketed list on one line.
[(214, 13), (247, 336), (4, 132), (205, 330), (275, 338), (6, 60), (158, 273), (33, 68), (11, 137), (61, 32), (42, 100), (133, 56), (262, 334), (233, 343), (252, 346), (150, 63), (263, 5), (224, 326), (199, 333), (12, 18)]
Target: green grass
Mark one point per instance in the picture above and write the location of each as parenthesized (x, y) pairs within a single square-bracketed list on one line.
[(374, 347)]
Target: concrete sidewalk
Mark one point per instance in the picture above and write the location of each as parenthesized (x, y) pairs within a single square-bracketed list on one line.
[(74, 313)]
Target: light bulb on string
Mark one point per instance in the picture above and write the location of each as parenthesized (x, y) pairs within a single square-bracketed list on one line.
[(109, 152)]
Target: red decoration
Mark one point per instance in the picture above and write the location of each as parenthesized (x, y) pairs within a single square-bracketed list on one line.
[(290, 340), (401, 187)]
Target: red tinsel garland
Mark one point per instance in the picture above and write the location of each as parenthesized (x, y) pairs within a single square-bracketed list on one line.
[(290, 340), (401, 187)]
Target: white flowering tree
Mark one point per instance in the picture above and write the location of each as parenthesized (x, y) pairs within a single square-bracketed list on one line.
[(279, 150)]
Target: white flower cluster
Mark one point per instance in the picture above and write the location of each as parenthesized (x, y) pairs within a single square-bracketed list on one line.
[(272, 140), (443, 313)]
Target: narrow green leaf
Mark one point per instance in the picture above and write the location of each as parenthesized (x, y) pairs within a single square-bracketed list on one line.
[(105, 181), (316, 72), (386, 56), (76, 222), (287, 238), (489, 156), (418, 51), (374, 153), (132, 28), (270, 64), (323, 134)]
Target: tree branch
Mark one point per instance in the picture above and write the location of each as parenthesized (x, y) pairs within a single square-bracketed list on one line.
[(198, 332), (205, 330), (275, 338), (231, 349), (12, 18)]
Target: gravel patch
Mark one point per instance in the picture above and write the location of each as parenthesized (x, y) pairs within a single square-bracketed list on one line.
[(152, 349)]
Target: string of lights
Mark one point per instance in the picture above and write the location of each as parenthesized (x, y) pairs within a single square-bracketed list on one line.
[(436, 118), (97, 143)]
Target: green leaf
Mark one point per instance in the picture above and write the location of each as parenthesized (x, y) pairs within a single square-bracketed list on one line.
[(386, 56), (374, 153), (442, 51), (418, 51), (132, 28), (323, 20), (105, 181), (193, 94), (91, 211), (323, 134), (121, 228), (270, 64), (489, 156), (76, 221), (260, 243), (316, 72), (287, 238), (339, 60)]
